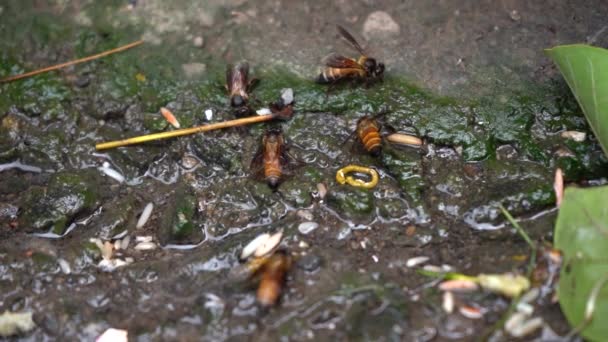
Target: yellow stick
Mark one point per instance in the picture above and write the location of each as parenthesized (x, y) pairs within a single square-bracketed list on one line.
[(77, 61), (185, 131)]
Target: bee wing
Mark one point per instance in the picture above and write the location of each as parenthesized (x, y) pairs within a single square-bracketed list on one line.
[(237, 76), (350, 39), (257, 164), (341, 62)]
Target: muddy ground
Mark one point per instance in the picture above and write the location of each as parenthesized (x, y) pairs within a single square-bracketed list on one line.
[(470, 78)]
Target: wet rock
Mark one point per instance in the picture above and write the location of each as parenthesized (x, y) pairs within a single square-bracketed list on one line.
[(193, 70), (379, 24), (307, 227), (178, 223), (309, 263), (505, 152), (297, 193), (116, 217), (350, 201), (67, 195), (107, 108)]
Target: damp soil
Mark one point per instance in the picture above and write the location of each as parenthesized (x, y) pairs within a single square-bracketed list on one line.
[(472, 81)]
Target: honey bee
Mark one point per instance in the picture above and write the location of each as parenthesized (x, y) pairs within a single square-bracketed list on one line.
[(273, 275), (272, 160), (239, 85), (368, 132), (338, 67)]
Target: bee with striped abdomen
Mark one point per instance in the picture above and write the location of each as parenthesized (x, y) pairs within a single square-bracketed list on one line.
[(368, 132), (272, 161), (338, 67)]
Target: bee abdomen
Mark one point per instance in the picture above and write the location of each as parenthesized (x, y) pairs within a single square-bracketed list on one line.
[(273, 175), (327, 76), (372, 141)]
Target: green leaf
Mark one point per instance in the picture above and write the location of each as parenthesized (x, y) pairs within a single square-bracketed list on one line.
[(585, 69), (581, 233)]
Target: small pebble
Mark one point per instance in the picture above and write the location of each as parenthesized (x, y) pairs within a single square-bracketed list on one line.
[(307, 227), (263, 111), (198, 41), (146, 238), (321, 190), (287, 96), (208, 114), (309, 263), (379, 23), (64, 265), (253, 245)]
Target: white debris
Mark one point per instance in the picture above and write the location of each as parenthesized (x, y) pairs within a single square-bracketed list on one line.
[(64, 265), (287, 96), (143, 238), (470, 312), (263, 111), (448, 302), (307, 227), (125, 242), (112, 173), (525, 308), (145, 215), (526, 327), (109, 265), (13, 323), (379, 24), (254, 245), (145, 246), (574, 135), (209, 114), (198, 41), (269, 245), (412, 262), (113, 335), (375, 258)]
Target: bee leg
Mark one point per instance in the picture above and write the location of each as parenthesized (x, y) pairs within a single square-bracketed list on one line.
[(252, 84)]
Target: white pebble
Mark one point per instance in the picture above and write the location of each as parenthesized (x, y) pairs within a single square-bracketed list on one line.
[(527, 327), (208, 114), (113, 335), (287, 96), (379, 23), (448, 302), (125, 242), (307, 227), (145, 246), (145, 215), (525, 308), (514, 321), (142, 238), (530, 296), (375, 258), (263, 111), (269, 245), (574, 135), (198, 41), (254, 245), (112, 174), (64, 265), (412, 262)]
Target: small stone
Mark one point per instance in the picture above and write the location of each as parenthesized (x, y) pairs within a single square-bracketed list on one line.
[(379, 23), (309, 263), (574, 135), (506, 152), (307, 227), (514, 15), (198, 41), (192, 70)]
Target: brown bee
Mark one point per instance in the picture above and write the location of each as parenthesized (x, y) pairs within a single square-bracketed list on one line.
[(239, 85), (338, 67), (272, 160), (273, 275)]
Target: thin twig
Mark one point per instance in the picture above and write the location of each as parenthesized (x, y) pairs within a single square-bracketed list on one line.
[(77, 61), (185, 131)]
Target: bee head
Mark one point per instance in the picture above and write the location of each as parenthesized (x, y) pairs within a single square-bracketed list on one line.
[(237, 101), (379, 69), (370, 65), (242, 111)]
